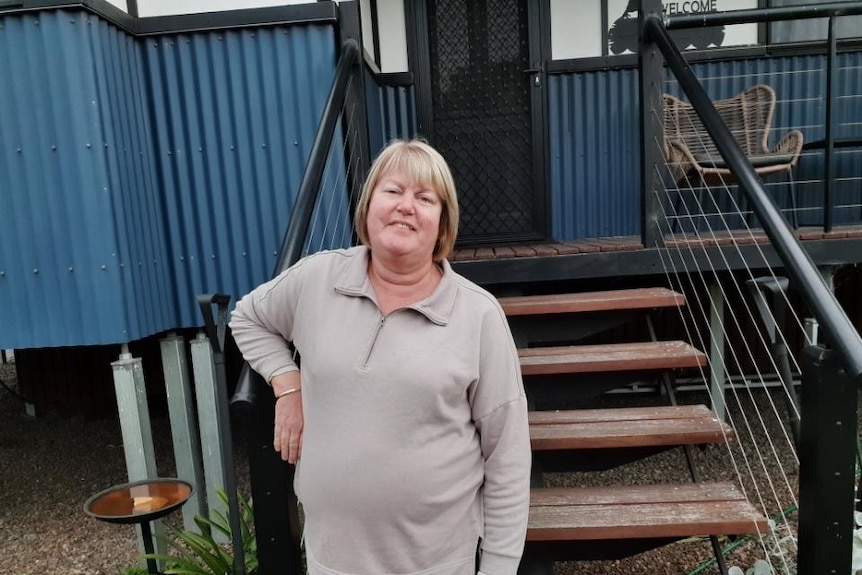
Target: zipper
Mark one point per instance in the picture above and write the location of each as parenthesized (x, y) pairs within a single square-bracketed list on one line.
[(373, 341)]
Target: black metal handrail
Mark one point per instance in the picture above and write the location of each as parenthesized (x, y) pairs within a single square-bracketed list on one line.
[(838, 327), (300, 217)]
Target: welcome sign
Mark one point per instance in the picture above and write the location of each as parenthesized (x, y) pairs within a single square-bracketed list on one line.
[(623, 33)]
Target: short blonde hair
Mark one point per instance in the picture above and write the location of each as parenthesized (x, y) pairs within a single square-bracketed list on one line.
[(417, 160)]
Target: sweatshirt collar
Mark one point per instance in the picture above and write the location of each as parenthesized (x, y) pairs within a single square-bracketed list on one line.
[(354, 281)]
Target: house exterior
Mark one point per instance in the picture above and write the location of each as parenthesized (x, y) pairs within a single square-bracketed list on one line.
[(103, 103), (151, 151)]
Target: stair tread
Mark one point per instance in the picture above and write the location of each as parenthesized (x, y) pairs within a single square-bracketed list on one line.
[(639, 298), (615, 357), (650, 511), (626, 428)]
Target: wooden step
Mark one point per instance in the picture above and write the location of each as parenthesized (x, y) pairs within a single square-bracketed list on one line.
[(632, 512), (641, 356), (633, 427), (640, 298)]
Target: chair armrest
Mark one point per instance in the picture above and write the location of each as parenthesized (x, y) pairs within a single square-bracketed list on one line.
[(790, 144), (679, 159)]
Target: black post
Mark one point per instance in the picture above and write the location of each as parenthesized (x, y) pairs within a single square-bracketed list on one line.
[(355, 122), (149, 548), (828, 158), (216, 331), (827, 464), (651, 118), (276, 515)]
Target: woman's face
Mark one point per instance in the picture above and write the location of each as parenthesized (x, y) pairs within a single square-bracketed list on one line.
[(403, 217)]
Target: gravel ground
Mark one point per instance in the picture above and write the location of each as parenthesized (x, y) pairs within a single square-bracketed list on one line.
[(51, 464)]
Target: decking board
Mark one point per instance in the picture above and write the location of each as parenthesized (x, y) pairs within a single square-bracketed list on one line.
[(641, 298), (640, 356)]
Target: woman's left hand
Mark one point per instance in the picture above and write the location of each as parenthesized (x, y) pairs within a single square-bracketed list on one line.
[(289, 420)]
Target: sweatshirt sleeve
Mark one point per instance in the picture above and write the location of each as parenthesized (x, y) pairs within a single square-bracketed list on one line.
[(500, 413), (262, 324)]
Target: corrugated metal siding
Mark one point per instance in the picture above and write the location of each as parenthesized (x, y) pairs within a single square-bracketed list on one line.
[(135, 174), (235, 113), (594, 154), (594, 147), (142, 251), (391, 112), (71, 153)]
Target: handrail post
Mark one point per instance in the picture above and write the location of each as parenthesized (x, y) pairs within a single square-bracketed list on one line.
[(650, 64), (828, 157), (355, 125), (826, 464)]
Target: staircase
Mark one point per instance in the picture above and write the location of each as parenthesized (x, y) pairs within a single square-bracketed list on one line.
[(613, 521)]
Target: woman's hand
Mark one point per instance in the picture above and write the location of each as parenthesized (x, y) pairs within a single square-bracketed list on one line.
[(288, 416)]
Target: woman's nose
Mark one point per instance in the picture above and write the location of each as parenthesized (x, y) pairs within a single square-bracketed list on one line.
[(406, 203)]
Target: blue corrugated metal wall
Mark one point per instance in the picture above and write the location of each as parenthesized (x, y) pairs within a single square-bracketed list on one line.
[(234, 113), (75, 149), (595, 147), (391, 112), (137, 173), (594, 154)]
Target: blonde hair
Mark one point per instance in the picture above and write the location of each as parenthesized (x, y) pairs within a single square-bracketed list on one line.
[(417, 160)]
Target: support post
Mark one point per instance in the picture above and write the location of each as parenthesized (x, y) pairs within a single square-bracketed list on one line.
[(203, 368), (184, 429), (826, 464), (216, 330), (717, 372), (276, 510), (770, 295), (650, 64), (134, 412)]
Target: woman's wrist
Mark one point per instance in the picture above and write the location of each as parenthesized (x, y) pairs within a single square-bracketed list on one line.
[(285, 384), (287, 392)]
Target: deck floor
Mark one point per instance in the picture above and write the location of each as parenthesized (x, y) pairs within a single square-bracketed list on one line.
[(633, 243)]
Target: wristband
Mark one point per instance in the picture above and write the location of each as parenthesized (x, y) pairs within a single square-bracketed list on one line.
[(287, 392)]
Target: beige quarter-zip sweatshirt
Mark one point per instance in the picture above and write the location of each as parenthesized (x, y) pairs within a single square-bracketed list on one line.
[(416, 442)]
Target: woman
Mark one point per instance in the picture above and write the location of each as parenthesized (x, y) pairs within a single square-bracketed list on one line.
[(409, 411)]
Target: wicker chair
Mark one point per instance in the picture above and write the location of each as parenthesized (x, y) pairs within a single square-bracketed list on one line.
[(693, 158)]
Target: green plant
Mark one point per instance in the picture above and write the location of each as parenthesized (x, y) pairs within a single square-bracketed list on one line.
[(199, 553), (857, 543), (134, 570)]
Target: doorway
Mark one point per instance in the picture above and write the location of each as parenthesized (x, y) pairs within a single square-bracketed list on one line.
[(480, 100)]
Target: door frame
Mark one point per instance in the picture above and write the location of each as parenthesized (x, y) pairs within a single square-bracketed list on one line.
[(539, 36)]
